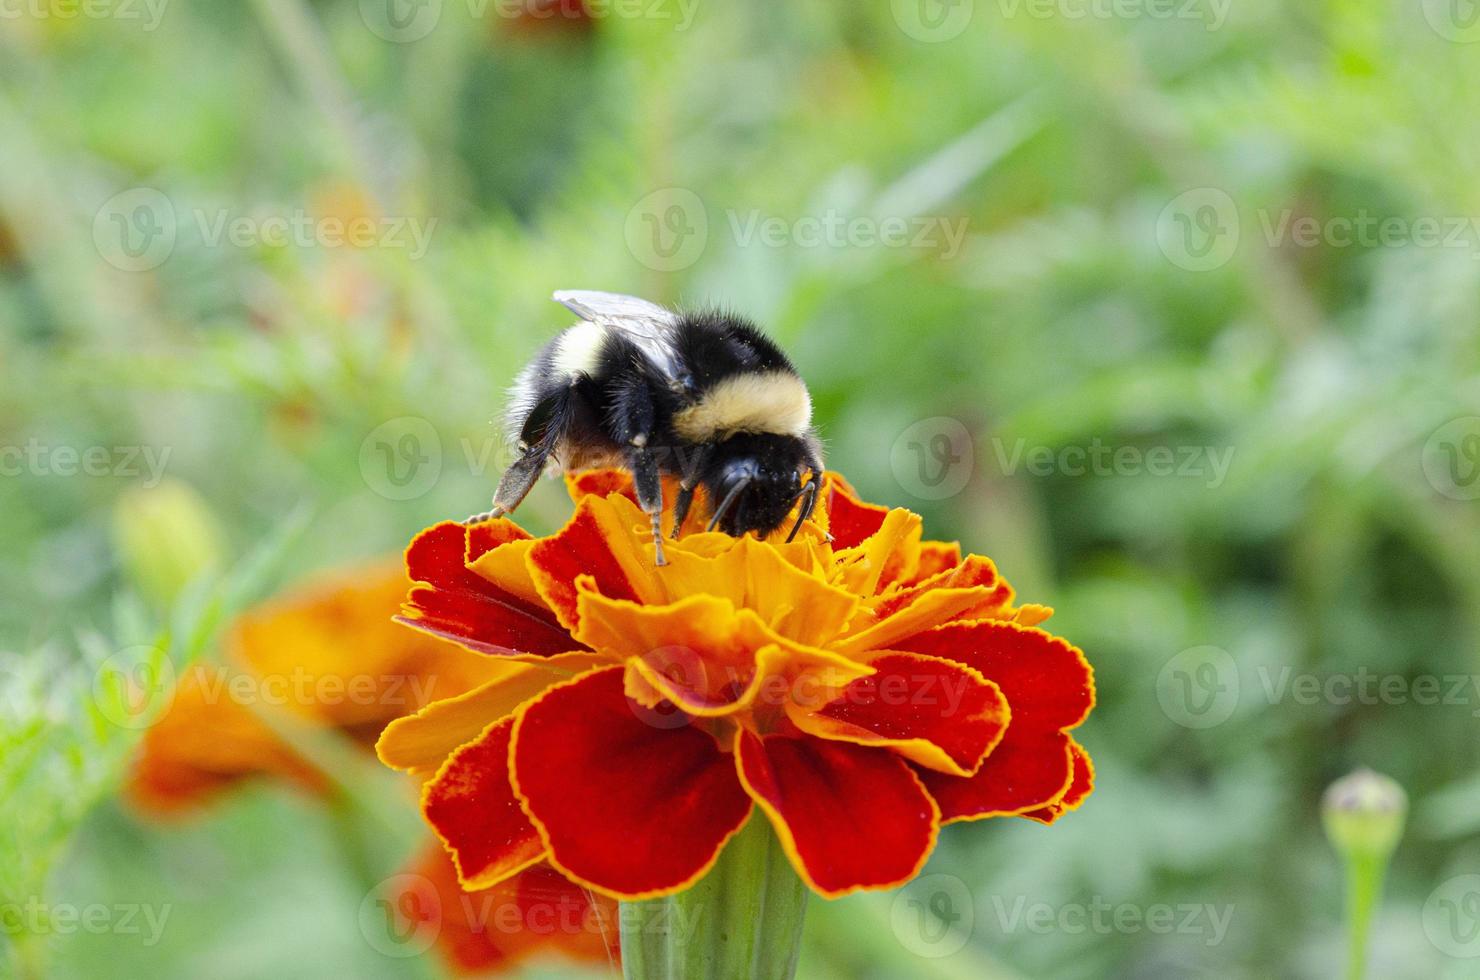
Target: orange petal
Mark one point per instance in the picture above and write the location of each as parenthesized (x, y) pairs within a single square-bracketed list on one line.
[(420, 742), (701, 652), (507, 568), (597, 543), (863, 568), (954, 594), (790, 600)]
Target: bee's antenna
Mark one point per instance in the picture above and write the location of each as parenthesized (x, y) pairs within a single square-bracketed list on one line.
[(727, 503), (810, 492)]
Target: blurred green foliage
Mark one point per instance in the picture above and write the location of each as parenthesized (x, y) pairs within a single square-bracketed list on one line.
[(1131, 277)]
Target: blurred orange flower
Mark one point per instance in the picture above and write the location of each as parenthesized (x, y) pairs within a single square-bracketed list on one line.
[(531, 913), (329, 658)]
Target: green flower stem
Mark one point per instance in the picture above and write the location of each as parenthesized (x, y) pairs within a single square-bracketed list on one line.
[(1364, 875), (741, 921)]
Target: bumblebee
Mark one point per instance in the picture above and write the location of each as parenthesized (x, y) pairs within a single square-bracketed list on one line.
[(704, 397)]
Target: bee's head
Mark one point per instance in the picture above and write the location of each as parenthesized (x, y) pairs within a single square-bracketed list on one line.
[(753, 481)]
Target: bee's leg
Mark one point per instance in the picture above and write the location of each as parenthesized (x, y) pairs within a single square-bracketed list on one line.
[(548, 423), (681, 506), (649, 487), (632, 424), (691, 469), (813, 462)]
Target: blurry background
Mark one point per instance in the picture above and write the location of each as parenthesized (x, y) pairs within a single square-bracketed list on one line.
[(1170, 307)]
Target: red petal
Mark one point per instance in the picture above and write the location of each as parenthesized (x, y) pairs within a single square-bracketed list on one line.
[(936, 557), (849, 520), (595, 543), (1048, 683), (936, 712), (631, 809), (452, 602), (1026, 771), (1050, 687), (849, 817), (1080, 787), (472, 807), (599, 483)]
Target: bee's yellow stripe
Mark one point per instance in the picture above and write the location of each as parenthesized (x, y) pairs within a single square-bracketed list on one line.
[(774, 402)]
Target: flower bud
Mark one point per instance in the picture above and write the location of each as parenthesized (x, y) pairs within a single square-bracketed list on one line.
[(1364, 814), (166, 537)]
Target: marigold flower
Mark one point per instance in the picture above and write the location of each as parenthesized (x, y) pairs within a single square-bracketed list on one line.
[(862, 685)]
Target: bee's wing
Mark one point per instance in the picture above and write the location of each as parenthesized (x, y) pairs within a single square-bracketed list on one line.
[(648, 325)]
